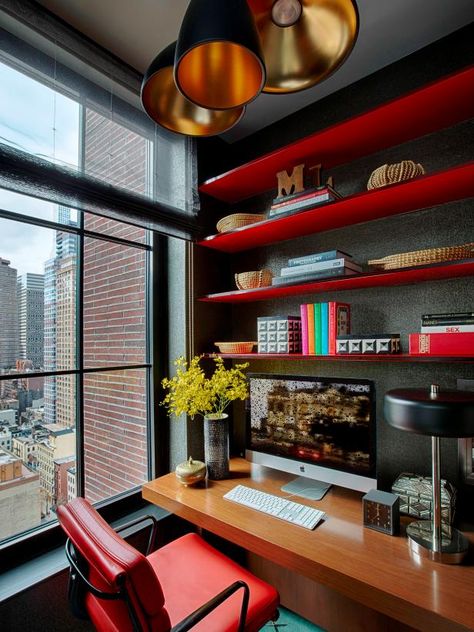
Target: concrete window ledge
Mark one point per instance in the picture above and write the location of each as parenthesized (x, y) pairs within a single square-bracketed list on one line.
[(35, 571)]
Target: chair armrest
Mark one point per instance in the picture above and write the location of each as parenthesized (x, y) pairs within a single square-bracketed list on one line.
[(196, 616), (153, 529)]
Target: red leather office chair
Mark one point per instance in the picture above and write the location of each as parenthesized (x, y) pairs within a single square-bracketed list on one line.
[(184, 585)]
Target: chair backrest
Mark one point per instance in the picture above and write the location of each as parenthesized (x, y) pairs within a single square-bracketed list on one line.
[(112, 566)]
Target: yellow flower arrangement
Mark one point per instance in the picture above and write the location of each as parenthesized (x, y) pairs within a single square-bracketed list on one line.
[(191, 392)]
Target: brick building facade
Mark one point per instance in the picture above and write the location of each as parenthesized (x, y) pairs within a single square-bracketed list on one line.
[(115, 434)]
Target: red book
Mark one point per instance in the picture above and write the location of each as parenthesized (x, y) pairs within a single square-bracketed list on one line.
[(304, 195), (310, 310), (339, 323), (304, 328), (441, 344)]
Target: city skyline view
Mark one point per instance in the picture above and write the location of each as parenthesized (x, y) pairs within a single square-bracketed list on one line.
[(39, 316), (46, 124)]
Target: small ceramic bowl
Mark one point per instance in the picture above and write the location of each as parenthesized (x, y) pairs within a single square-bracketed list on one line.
[(190, 472)]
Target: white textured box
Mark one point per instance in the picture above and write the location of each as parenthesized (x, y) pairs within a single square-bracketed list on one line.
[(365, 344), (279, 334)]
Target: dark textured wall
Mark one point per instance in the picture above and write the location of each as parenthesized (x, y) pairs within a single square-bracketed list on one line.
[(390, 309)]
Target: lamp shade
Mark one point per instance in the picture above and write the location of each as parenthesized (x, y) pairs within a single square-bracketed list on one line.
[(219, 63), (443, 414), (164, 103), (303, 41)]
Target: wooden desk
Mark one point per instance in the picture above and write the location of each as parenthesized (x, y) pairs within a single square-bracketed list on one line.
[(369, 570)]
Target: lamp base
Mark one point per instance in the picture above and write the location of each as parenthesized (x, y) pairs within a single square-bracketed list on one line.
[(453, 548)]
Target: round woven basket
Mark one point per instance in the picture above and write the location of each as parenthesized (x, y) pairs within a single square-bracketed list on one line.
[(235, 347), (391, 174), (253, 279), (424, 257), (237, 220)]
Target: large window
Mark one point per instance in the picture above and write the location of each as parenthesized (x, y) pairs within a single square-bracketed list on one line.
[(74, 369), (74, 292)]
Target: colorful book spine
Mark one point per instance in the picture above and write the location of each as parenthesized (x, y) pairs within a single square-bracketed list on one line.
[(310, 312), (304, 195), (304, 329), (325, 328), (306, 277), (450, 315), (441, 344), (297, 197), (428, 322), (339, 323), (301, 205), (317, 329), (447, 329), (317, 257), (321, 265)]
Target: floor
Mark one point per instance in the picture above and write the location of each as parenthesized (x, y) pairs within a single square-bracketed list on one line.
[(290, 622)]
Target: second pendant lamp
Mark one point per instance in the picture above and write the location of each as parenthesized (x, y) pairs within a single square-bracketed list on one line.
[(219, 63), (303, 41)]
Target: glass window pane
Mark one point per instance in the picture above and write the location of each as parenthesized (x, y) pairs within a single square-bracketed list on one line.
[(37, 451), (33, 207), (38, 270), (116, 154), (112, 227), (37, 119), (115, 432), (114, 304)]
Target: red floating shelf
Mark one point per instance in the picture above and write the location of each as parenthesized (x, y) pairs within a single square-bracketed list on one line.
[(405, 276), (401, 357), (437, 105), (423, 192)]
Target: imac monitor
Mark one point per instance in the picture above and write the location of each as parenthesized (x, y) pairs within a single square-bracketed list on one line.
[(318, 428)]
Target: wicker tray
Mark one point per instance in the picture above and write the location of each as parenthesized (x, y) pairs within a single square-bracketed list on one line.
[(237, 220), (424, 257), (254, 279), (391, 174), (236, 347)]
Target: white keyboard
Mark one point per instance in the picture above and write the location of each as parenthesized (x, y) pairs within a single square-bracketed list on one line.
[(301, 515)]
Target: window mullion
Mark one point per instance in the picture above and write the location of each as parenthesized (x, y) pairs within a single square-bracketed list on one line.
[(79, 336)]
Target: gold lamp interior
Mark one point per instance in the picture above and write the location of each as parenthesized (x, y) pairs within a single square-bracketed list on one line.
[(166, 105), (239, 71), (303, 52)]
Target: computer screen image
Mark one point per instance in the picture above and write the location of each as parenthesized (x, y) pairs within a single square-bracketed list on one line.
[(320, 428)]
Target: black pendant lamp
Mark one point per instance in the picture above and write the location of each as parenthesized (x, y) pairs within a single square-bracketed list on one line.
[(303, 41), (169, 108), (219, 63)]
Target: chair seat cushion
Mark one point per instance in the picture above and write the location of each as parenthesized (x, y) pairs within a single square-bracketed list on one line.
[(191, 572)]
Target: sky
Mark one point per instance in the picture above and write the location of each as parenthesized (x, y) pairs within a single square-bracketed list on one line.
[(36, 119)]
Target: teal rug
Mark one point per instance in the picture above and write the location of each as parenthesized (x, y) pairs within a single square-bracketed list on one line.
[(290, 622)]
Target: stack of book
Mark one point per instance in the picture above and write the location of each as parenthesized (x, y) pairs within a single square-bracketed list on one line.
[(451, 333), (303, 200), (321, 324), (320, 265)]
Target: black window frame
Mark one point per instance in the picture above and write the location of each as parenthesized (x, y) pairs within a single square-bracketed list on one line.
[(27, 545)]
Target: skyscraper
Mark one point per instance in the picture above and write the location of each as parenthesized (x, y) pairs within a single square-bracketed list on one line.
[(9, 342), (59, 322), (31, 318), (50, 339), (66, 339)]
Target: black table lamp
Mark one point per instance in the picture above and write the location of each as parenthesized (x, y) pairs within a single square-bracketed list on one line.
[(438, 414)]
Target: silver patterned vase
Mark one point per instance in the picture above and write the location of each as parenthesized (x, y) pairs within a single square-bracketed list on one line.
[(216, 445)]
